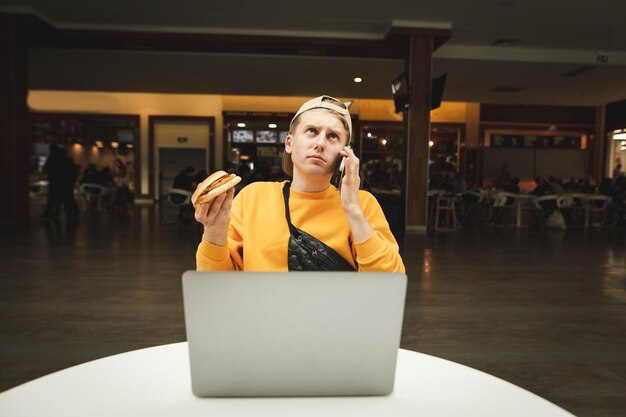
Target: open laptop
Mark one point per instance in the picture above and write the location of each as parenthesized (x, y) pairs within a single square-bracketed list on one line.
[(256, 334)]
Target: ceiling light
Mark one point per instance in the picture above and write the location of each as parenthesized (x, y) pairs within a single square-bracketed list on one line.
[(619, 134), (384, 142), (369, 134), (241, 125), (115, 145), (431, 143), (99, 144), (130, 146), (272, 125), (358, 79)]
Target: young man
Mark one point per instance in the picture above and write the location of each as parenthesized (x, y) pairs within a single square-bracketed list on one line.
[(305, 224)]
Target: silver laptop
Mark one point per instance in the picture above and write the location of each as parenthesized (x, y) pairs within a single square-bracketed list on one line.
[(256, 334)]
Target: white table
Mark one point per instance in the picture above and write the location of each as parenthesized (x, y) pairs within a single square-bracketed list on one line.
[(155, 382)]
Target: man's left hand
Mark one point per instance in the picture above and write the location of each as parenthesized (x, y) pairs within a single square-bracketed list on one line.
[(350, 182)]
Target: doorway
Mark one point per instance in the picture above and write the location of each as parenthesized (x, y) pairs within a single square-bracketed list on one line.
[(179, 142)]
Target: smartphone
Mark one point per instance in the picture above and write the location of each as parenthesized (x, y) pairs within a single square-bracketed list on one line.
[(340, 173)]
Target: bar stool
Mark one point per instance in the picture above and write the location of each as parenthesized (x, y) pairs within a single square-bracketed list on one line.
[(445, 209)]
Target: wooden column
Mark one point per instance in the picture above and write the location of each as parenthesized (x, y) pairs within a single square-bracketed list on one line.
[(417, 131), (13, 121), (599, 151)]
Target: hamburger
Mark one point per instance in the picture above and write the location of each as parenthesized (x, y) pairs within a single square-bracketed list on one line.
[(215, 184)]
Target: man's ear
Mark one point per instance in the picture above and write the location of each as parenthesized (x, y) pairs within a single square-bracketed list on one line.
[(288, 143)]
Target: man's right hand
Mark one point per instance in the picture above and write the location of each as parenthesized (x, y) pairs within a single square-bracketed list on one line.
[(215, 217)]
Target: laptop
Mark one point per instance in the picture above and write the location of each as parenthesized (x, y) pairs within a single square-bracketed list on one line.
[(282, 334)]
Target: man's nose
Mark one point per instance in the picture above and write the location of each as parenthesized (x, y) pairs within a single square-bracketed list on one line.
[(320, 141)]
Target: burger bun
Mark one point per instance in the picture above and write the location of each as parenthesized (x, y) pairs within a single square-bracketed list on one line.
[(215, 184)]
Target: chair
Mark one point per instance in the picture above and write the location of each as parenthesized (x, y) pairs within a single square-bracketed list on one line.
[(473, 198), (93, 193), (432, 204), (503, 202), (445, 213), (576, 209), (537, 201), (177, 198), (596, 204), (477, 196), (544, 206), (564, 201), (38, 191)]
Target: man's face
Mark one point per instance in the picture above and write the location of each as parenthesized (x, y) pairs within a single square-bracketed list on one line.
[(315, 143)]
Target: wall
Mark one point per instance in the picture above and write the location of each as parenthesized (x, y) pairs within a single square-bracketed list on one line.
[(450, 112), (141, 104), (146, 104)]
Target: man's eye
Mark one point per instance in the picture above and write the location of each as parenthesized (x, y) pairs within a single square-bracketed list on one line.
[(311, 130), (333, 136)]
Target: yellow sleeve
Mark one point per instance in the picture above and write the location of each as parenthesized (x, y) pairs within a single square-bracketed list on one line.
[(210, 257), (380, 252)]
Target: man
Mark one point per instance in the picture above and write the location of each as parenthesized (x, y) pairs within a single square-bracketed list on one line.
[(305, 224), (62, 173), (185, 179), (617, 172)]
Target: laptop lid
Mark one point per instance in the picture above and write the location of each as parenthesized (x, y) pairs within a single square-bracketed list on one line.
[(293, 333)]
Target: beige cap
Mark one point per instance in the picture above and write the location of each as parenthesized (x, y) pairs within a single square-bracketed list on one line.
[(321, 102)]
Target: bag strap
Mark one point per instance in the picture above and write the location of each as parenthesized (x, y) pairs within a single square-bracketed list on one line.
[(294, 230)]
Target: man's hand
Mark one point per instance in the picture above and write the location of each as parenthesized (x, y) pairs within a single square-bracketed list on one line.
[(215, 217), (350, 183)]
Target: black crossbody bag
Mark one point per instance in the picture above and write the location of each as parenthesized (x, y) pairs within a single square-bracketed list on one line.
[(307, 253)]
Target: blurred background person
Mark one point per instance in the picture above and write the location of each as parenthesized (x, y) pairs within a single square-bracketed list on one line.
[(185, 180), (62, 173)]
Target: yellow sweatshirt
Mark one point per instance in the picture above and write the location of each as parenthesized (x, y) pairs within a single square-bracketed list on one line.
[(258, 235)]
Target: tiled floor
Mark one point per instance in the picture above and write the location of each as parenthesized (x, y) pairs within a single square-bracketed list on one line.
[(545, 310)]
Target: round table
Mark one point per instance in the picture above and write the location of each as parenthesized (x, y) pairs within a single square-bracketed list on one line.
[(156, 382)]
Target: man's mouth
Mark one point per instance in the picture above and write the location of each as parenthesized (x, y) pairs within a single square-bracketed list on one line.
[(317, 157)]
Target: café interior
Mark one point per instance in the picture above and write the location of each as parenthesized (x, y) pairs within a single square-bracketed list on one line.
[(497, 155)]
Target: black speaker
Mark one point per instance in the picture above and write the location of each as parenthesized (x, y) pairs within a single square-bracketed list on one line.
[(402, 92), (436, 91)]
